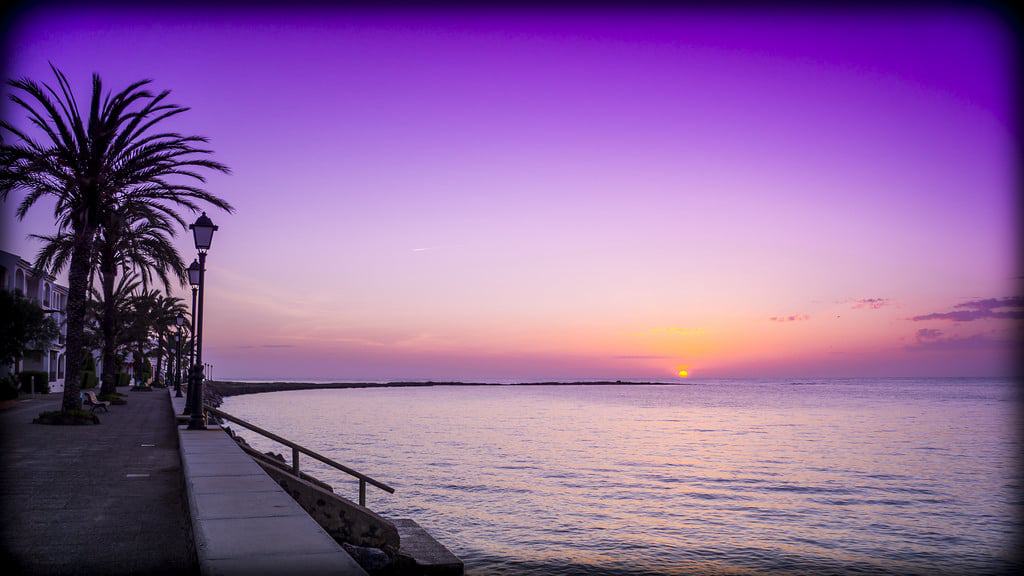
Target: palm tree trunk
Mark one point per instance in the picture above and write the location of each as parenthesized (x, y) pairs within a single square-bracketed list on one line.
[(158, 374), (78, 276), (108, 273), (140, 362)]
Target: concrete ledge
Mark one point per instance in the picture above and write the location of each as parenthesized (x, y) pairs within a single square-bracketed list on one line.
[(429, 556), (242, 521), (275, 565)]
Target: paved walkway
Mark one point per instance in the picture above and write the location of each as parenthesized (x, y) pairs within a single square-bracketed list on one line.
[(244, 522), (94, 499)]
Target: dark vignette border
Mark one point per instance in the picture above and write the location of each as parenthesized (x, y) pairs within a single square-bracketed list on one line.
[(12, 13)]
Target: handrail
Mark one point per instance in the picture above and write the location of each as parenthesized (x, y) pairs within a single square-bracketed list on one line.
[(297, 448)]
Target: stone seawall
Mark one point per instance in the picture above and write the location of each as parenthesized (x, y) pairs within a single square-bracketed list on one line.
[(215, 391)]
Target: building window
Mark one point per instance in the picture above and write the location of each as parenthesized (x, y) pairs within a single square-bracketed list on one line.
[(60, 367), (46, 294), (19, 281)]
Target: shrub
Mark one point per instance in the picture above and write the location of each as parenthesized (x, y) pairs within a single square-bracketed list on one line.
[(34, 382), (123, 379), (8, 388), (71, 418), (89, 378), (144, 371)]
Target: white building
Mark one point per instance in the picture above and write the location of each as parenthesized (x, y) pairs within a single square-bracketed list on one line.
[(17, 275)]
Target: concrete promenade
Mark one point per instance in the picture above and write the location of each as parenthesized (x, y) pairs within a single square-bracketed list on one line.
[(243, 521), (106, 499)]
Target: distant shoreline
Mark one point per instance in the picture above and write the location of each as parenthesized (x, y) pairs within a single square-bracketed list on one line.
[(217, 389), (403, 383)]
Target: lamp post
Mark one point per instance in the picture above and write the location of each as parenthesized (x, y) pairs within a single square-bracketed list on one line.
[(202, 231), (176, 364), (193, 279), (180, 321)]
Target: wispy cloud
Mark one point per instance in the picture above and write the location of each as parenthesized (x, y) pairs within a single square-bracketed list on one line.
[(931, 339), (790, 318), (1011, 308), (871, 303), (641, 357), (267, 346), (432, 248)]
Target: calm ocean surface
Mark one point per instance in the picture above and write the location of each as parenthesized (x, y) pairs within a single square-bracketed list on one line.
[(722, 477)]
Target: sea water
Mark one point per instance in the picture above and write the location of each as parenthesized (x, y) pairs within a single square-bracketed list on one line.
[(714, 477)]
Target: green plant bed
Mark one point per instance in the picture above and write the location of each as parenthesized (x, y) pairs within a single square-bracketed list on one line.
[(115, 398), (72, 418)]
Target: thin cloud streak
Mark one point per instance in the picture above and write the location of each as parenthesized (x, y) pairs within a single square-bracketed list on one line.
[(980, 309), (267, 346), (934, 340), (790, 318), (871, 303)]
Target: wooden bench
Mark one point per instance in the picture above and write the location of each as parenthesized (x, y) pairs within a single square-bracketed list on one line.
[(89, 399)]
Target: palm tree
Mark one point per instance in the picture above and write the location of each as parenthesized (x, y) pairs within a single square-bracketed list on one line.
[(135, 239), (165, 310), (89, 165), (116, 306), (151, 314)]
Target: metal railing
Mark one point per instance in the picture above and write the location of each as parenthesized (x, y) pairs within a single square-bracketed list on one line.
[(297, 448)]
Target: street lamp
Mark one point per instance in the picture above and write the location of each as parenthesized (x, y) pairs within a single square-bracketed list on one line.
[(193, 279), (193, 274), (176, 365), (202, 230), (180, 321)]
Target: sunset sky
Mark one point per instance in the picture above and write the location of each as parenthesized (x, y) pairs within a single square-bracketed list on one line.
[(521, 195)]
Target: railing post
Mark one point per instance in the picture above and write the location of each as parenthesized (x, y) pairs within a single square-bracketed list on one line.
[(295, 460), (362, 492)]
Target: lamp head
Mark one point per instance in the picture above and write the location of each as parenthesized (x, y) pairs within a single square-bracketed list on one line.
[(203, 230), (193, 273)]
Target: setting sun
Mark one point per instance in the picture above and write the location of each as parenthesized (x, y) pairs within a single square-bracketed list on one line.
[(683, 373)]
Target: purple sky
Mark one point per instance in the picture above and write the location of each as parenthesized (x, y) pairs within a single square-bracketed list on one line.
[(543, 194)]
